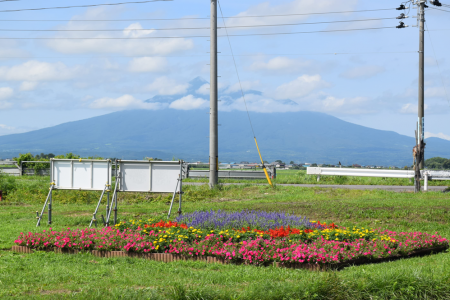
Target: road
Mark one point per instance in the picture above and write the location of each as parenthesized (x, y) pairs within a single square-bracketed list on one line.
[(350, 187)]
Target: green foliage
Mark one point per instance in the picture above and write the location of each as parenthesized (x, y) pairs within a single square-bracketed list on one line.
[(7, 184), (68, 156), (437, 163), (35, 166)]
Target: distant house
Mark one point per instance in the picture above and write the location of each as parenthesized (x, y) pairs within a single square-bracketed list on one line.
[(356, 166), (278, 164)]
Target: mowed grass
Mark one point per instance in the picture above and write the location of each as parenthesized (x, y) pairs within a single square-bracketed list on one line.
[(51, 276)]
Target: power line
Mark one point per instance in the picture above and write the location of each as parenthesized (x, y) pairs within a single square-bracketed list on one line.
[(192, 28), (437, 63), (192, 36), (204, 55), (439, 9), (237, 72), (306, 14), (192, 18), (78, 6)]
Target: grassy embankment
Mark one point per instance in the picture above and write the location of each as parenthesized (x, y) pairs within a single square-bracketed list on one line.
[(48, 275)]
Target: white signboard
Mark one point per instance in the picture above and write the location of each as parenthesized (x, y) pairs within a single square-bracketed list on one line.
[(149, 176), (81, 175)]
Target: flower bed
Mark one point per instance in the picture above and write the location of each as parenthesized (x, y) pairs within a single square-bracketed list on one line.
[(310, 243)]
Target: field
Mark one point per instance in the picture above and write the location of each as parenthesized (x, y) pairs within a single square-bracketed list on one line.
[(300, 177), (48, 275)]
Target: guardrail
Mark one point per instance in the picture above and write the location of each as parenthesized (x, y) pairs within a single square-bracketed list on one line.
[(360, 172), (231, 174), (432, 175)]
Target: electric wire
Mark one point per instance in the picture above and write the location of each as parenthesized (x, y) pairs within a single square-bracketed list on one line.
[(237, 71), (188, 18), (191, 36), (187, 28), (78, 6), (437, 63), (204, 55), (306, 14), (439, 9)]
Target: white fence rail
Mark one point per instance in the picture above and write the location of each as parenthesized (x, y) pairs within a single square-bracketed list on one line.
[(432, 175), (360, 172)]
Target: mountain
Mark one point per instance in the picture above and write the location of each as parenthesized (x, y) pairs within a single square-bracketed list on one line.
[(298, 136)]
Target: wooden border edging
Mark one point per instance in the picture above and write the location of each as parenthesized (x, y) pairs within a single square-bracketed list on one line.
[(168, 257)]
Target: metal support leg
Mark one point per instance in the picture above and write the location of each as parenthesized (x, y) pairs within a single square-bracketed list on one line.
[(425, 186), (173, 199), (318, 178), (114, 199), (107, 208), (115, 211), (39, 216), (50, 208), (181, 195), (94, 216)]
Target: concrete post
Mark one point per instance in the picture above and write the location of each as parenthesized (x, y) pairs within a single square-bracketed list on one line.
[(213, 127)]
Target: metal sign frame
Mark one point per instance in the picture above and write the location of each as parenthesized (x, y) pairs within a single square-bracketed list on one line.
[(119, 186), (148, 173), (73, 166), (53, 185)]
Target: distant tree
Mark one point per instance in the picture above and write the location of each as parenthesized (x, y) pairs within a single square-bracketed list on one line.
[(292, 162), (435, 163), (314, 165), (405, 168), (279, 161), (446, 165)]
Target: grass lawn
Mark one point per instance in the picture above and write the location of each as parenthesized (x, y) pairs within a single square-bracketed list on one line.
[(49, 275)]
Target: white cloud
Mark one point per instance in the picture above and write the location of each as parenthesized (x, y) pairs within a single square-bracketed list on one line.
[(124, 102), (167, 86), (281, 64), (6, 93), (204, 89), (258, 103), (356, 105), (136, 30), (410, 108), (34, 71), (28, 85), (189, 102), (136, 42), (147, 64), (300, 87), (438, 135), (293, 7), (437, 92), (246, 85), (362, 72), (3, 126)]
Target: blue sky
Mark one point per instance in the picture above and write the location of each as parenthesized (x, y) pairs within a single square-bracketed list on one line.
[(366, 77)]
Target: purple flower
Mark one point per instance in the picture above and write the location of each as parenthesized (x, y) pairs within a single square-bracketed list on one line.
[(246, 218)]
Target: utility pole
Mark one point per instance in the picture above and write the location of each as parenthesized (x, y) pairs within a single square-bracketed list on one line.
[(419, 149), (213, 102), (421, 106)]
